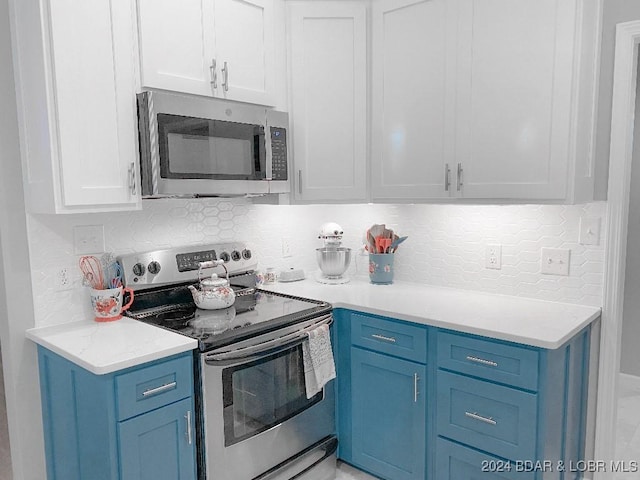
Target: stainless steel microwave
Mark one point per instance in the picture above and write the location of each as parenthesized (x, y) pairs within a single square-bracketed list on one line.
[(198, 146)]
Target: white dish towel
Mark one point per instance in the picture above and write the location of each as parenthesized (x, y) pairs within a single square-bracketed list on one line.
[(317, 356)]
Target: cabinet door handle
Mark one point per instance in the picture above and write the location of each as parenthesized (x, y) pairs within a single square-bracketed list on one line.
[(482, 361), (225, 77), (214, 73), (382, 337), (132, 179), (480, 418), (188, 433), (300, 182), (415, 387), (160, 389), (447, 177), (460, 170)]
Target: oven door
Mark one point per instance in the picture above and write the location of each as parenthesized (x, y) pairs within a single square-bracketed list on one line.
[(256, 413)]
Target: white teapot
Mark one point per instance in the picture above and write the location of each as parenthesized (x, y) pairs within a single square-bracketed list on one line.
[(214, 292)]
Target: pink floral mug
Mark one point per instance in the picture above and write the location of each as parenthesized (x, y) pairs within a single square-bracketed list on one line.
[(107, 303)]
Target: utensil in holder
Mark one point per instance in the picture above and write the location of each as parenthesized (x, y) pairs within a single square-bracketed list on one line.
[(381, 268)]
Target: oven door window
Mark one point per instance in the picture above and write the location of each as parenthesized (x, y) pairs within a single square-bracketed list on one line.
[(194, 148), (263, 393)]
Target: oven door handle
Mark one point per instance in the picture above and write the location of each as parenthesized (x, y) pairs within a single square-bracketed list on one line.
[(265, 348)]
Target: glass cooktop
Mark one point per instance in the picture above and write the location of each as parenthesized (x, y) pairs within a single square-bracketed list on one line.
[(253, 312)]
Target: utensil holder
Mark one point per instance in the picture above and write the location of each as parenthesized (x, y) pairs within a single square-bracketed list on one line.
[(381, 268)]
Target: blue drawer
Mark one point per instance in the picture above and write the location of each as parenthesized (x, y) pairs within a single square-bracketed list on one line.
[(498, 362), (456, 462), (399, 339), (151, 387), (497, 419)]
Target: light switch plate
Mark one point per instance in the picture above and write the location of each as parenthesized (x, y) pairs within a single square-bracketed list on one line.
[(589, 231), (555, 261), (88, 239)]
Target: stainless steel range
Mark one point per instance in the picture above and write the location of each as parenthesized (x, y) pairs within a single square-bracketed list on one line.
[(255, 420)]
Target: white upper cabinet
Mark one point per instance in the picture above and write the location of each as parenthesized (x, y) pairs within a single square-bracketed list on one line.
[(488, 99), (76, 82), (245, 46), (414, 51), (328, 99), (514, 85), (177, 45), (222, 48)]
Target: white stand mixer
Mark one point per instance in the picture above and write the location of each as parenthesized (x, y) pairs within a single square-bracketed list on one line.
[(333, 259)]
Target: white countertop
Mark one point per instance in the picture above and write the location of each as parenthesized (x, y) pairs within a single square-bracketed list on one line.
[(110, 346), (107, 347), (531, 322)]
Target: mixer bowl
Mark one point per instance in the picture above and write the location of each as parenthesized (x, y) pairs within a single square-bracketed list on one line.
[(333, 261)]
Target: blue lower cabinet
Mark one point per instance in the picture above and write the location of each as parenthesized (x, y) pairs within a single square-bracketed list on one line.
[(388, 415), (457, 462), (159, 445), (92, 432), (417, 402)]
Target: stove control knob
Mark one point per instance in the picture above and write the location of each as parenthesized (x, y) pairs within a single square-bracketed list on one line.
[(246, 254), (154, 267), (225, 256), (138, 269), (235, 255)]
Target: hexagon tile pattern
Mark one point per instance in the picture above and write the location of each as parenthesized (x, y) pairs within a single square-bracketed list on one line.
[(446, 244)]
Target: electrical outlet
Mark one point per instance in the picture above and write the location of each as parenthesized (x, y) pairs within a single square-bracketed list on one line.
[(63, 279), (493, 257), (555, 261), (88, 239), (286, 247)]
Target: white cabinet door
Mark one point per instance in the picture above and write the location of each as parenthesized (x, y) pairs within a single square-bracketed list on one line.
[(93, 83), (328, 111), (245, 48), (177, 45), (514, 97), (414, 54), (222, 48)]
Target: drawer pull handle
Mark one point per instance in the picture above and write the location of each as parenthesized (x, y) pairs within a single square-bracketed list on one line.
[(415, 387), (482, 361), (480, 418), (160, 389), (189, 433), (382, 337)]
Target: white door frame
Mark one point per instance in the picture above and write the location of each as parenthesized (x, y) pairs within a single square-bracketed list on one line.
[(620, 158)]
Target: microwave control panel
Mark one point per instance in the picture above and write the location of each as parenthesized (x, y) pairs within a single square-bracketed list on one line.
[(278, 153)]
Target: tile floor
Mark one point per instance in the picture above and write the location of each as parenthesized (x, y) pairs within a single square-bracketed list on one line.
[(347, 472), (628, 426)]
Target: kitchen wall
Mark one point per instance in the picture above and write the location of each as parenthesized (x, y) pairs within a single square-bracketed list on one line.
[(446, 244), (19, 362), (614, 11), (630, 354)]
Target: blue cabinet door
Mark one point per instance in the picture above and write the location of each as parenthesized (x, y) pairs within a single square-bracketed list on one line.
[(388, 415), (159, 445)]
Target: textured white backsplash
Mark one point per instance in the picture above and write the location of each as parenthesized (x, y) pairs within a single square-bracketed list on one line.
[(446, 244)]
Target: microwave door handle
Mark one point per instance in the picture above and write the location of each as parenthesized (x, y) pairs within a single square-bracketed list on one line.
[(255, 352)]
